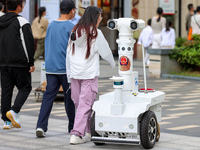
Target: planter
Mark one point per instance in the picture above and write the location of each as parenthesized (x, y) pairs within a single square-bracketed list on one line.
[(160, 63)]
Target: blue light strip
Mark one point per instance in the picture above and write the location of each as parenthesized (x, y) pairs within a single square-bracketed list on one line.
[(119, 83)]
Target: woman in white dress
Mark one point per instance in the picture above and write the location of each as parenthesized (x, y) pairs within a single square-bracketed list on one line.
[(158, 23)]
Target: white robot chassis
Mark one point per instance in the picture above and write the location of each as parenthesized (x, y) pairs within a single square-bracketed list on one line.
[(127, 116)]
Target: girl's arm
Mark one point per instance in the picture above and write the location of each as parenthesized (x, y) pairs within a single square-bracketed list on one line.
[(103, 49), (67, 62), (140, 38)]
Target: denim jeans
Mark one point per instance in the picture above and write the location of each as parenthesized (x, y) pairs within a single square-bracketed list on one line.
[(53, 84)]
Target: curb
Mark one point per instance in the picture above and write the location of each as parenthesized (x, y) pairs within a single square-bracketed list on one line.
[(179, 77)]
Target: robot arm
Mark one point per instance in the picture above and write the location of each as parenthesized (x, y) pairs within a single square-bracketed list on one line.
[(104, 49)]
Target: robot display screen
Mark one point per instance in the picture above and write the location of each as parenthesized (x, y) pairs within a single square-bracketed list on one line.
[(133, 25), (111, 24)]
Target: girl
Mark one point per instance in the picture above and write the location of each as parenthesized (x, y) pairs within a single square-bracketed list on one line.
[(157, 24), (39, 28), (86, 44), (168, 36)]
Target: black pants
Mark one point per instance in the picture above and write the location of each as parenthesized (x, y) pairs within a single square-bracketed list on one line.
[(11, 77)]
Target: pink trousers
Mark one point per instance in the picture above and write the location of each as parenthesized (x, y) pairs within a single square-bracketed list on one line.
[(83, 94)]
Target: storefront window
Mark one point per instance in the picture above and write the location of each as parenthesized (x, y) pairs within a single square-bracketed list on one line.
[(111, 8), (83, 4), (106, 7)]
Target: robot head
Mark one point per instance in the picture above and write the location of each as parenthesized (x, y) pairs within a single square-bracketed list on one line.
[(114, 24)]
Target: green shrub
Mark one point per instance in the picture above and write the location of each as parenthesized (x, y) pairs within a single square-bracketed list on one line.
[(188, 54), (180, 41)]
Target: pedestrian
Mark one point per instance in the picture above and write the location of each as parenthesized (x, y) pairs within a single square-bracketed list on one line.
[(195, 22), (1, 9), (146, 38), (188, 17), (56, 42), (39, 28), (16, 62), (86, 44), (76, 18), (168, 36), (157, 23)]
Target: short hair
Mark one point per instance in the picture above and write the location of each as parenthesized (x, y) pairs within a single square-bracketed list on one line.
[(1, 5), (66, 6), (149, 22), (12, 4), (198, 8), (190, 6)]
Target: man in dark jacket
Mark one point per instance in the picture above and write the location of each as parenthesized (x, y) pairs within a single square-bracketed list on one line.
[(16, 61)]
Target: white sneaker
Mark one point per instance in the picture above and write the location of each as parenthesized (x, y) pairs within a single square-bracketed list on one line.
[(14, 118), (87, 136), (40, 132), (7, 125), (76, 140)]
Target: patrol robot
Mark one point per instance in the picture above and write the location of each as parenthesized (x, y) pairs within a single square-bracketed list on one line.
[(127, 115)]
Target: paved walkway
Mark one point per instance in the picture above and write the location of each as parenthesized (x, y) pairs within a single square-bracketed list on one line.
[(58, 139), (176, 106)]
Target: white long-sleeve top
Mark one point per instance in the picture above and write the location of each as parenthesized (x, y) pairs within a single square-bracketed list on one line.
[(168, 37), (78, 67), (146, 36), (195, 27)]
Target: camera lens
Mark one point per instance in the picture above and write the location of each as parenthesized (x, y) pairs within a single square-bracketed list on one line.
[(111, 24), (134, 25)]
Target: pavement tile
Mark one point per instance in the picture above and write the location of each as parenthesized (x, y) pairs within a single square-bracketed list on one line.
[(7, 148), (174, 116)]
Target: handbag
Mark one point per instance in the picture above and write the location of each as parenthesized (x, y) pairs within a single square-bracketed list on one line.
[(190, 34)]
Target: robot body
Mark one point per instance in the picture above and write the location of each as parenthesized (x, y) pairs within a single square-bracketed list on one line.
[(127, 116)]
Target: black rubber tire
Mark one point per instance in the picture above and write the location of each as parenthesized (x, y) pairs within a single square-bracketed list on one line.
[(93, 132), (148, 130)]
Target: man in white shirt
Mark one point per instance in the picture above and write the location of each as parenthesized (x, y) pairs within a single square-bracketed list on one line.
[(76, 18), (195, 22), (1, 9), (146, 38)]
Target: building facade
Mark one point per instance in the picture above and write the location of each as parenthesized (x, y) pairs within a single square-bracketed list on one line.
[(142, 9)]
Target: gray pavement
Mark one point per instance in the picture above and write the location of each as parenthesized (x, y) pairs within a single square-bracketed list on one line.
[(58, 139), (180, 126)]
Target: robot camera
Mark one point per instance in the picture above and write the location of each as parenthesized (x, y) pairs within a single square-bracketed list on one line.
[(134, 25), (112, 24), (137, 24)]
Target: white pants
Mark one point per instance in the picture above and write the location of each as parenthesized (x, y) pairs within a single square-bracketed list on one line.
[(156, 40)]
